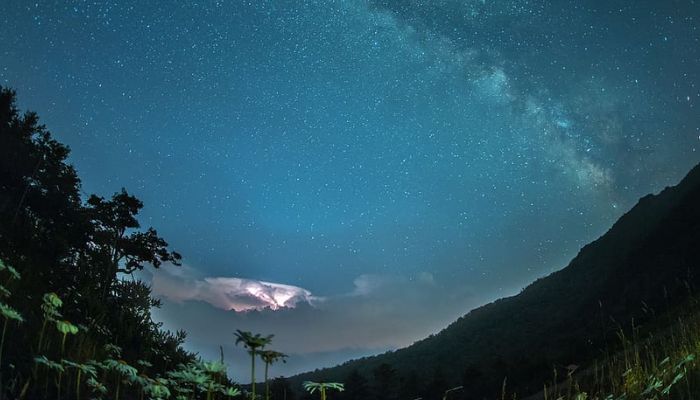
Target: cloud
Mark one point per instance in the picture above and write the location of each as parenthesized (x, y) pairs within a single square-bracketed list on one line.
[(376, 285), (367, 284), (379, 313), (227, 293)]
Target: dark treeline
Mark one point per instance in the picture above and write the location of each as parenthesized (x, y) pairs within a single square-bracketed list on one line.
[(73, 258), (385, 383)]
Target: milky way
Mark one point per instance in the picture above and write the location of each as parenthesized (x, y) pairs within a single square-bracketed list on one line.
[(397, 162)]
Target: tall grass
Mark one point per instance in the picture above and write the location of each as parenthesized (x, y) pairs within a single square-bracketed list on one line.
[(662, 365)]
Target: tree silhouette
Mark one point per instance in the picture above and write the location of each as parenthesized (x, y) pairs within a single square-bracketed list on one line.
[(74, 249), (322, 387), (252, 343), (436, 386), (281, 389), (41, 218), (117, 241), (410, 386), (270, 357), (356, 386), (385, 379)]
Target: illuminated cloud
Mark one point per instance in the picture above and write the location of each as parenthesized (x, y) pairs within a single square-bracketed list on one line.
[(378, 313), (228, 293)]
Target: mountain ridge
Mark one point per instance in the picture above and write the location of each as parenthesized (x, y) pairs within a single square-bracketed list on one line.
[(569, 315)]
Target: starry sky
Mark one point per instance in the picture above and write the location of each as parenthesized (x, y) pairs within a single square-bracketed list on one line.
[(354, 175)]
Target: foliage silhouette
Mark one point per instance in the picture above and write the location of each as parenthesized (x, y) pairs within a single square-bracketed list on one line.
[(270, 357), (252, 342), (322, 387), (76, 253)]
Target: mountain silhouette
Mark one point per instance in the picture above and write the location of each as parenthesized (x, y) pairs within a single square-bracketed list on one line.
[(640, 272)]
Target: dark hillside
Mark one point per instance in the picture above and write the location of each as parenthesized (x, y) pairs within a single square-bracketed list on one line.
[(643, 266)]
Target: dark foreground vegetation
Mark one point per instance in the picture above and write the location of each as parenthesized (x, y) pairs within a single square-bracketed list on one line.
[(75, 325), (621, 322)]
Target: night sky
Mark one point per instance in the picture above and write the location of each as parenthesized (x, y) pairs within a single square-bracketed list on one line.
[(354, 175)]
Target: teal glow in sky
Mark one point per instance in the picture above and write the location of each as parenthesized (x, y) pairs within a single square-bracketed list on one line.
[(361, 172)]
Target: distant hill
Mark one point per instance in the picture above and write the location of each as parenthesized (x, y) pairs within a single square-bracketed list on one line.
[(645, 266)]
